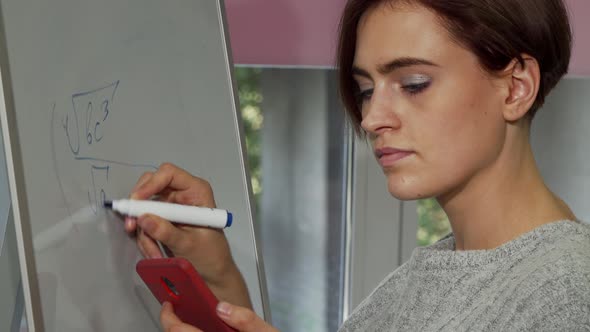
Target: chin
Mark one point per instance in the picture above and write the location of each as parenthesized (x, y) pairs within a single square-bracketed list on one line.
[(406, 195), (407, 189)]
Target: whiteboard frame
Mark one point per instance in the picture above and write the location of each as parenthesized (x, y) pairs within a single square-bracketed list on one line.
[(15, 169), (243, 158)]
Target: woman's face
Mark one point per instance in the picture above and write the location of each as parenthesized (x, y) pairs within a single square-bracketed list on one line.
[(433, 114)]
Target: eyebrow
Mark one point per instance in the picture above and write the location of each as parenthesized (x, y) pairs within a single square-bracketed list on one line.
[(394, 65)]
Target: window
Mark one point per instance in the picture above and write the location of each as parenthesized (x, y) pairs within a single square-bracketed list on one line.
[(295, 138)]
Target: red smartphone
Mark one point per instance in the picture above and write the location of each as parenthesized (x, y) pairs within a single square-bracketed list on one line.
[(175, 280)]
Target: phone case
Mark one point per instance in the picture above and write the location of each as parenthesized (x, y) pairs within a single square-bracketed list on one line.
[(175, 280)]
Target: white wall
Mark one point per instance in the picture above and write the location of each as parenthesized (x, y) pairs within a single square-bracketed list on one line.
[(561, 143)]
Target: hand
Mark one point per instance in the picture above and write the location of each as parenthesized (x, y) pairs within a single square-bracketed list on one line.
[(171, 323), (240, 318), (207, 249)]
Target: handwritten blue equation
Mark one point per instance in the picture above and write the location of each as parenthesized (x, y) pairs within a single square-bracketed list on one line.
[(91, 109), (84, 127)]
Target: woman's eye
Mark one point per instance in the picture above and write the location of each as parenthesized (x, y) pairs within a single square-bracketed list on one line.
[(415, 84), (415, 88), (364, 95)]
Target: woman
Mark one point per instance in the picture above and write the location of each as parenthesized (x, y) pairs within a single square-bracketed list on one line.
[(446, 92)]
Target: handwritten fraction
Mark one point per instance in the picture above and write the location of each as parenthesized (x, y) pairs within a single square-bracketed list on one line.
[(84, 131)]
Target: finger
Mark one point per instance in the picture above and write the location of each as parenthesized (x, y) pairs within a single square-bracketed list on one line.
[(142, 179), (167, 175), (171, 323), (130, 225), (161, 230), (167, 195), (242, 319), (130, 222), (167, 316), (149, 246), (140, 246)]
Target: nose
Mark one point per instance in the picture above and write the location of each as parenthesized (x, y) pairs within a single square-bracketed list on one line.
[(379, 114)]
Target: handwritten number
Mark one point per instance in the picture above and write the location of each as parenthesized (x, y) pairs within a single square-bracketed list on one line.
[(97, 194), (88, 121), (103, 197), (96, 136), (105, 108), (93, 135)]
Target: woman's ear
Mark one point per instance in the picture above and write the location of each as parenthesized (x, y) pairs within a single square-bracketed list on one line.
[(523, 84)]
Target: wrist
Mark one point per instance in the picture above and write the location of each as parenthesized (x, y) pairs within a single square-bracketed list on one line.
[(224, 276), (230, 286)]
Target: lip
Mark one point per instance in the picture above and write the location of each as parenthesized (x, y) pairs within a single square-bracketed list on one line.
[(389, 156)]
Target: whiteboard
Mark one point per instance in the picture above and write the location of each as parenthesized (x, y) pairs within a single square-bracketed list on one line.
[(94, 93)]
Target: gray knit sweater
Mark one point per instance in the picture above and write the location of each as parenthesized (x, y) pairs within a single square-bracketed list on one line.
[(537, 282)]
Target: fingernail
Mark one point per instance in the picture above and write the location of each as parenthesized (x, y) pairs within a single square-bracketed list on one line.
[(224, 309), (148, 224), (128, 223)]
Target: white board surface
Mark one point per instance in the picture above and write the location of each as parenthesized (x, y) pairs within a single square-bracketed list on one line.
[(95, 94)]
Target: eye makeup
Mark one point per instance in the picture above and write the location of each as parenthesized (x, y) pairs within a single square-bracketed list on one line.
[(415, 84)]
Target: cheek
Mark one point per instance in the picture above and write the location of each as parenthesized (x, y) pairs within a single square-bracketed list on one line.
[(455, 142), (466, 135), (467, 125), (471, 140)]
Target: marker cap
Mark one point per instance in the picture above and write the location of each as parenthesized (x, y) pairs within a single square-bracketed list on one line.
[(230, 219)]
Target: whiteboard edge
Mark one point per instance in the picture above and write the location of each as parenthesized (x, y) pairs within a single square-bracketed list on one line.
[(240, 133), (23, 234)]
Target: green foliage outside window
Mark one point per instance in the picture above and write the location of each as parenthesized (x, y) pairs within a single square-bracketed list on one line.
[(433, 223), (248, 81)]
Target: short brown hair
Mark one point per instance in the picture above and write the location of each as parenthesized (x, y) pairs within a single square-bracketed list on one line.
[(496, 31)]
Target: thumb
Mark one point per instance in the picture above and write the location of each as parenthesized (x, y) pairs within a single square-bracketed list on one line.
[(171, 323), (242, 319), (160, 230)]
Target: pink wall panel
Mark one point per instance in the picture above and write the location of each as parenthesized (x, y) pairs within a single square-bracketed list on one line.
[(284, 32), (303, 32), (580, 13)]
